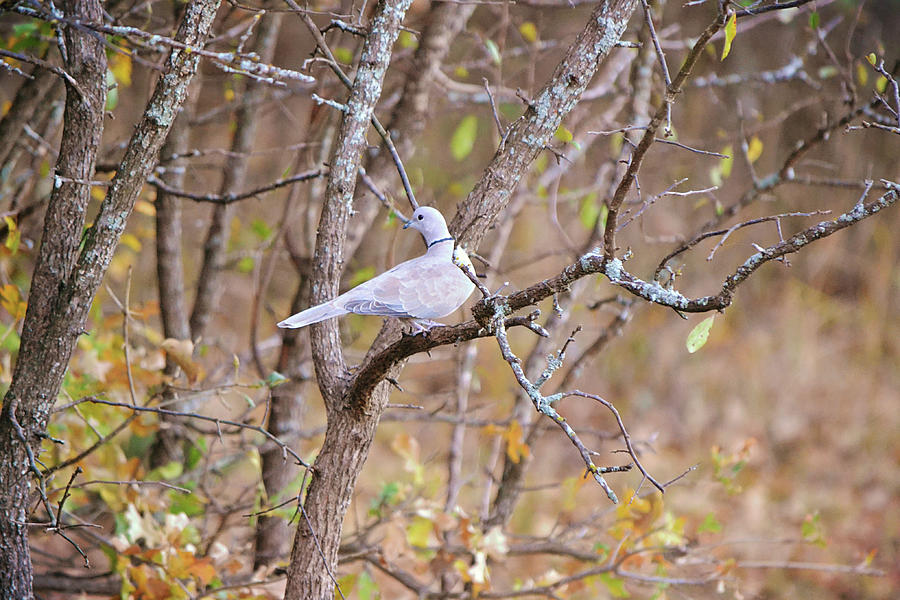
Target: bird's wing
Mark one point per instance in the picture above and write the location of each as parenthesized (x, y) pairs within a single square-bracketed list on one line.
[(381, 295), (421, 288)]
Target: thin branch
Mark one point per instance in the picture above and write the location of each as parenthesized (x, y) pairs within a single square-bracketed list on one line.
[(216, 420), (230, 198)]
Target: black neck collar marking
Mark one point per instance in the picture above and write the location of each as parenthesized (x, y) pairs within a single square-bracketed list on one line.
[(446, 239)]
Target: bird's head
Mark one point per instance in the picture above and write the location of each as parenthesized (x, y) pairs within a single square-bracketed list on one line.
[(430, 223)]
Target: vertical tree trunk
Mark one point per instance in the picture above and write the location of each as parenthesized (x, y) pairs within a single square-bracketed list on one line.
[(445, 21), (351, 421), (66, 280), (348, 437), (47, 343)]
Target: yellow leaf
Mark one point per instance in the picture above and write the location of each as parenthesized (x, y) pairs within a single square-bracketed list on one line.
[(730, 33), (181, 353), (529, 31), (120, 65), (418, 532), (516, 447), (862, 74), (881, 84), (754, 150), (871, 58), (563, 135), (130, 240), (98, 193), (12, 301), (727, 163)]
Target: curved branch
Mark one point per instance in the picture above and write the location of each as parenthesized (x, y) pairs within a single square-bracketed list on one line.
[(637, 157)]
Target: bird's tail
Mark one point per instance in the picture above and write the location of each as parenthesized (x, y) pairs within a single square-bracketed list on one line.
[(312, 315)]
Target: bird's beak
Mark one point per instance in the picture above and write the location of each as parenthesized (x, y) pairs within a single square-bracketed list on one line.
[(408, 224)]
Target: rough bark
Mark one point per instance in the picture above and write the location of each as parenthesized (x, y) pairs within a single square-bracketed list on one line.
[(445, 21), (47, 339), (349, 431), (65, 281), (354, 409)]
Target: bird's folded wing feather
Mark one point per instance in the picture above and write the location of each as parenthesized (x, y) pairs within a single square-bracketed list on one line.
[(416, 289)]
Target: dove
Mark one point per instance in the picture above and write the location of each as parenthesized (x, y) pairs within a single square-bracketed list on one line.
[(424, 288)]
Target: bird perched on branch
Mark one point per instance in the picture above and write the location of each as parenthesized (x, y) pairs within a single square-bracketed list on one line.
[(424, 288)]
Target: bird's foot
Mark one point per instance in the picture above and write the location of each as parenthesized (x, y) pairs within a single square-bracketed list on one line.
[(421, 326)]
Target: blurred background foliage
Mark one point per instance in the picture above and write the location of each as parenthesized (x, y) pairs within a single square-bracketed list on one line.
[(788, 416)]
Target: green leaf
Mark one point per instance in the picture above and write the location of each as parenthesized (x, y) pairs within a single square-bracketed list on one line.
[(25, 28), (112, 91), (493, 51), (388, 496), (814, 20), (463, 140), (275, 378), (195, 451), (710, 524), (190, 504), (366, 588), (408, 40), (343, 55), (615, 585), (813, 531), (246, 264), (589, 212), (730, 33), (699, 334), (827, 72), (168, 471), (871, 58), (261, 229)]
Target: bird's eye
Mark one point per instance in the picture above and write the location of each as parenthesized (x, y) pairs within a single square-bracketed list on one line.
[(421, 217)]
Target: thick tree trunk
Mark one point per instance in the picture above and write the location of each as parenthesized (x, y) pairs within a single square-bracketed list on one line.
[(351, 421), (66, 280), (348, 437), (354, 410), (47, 340), (445, 21)]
